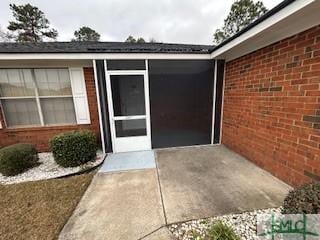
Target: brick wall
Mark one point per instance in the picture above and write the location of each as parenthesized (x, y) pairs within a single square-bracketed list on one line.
[(40, 135), (272, 107)]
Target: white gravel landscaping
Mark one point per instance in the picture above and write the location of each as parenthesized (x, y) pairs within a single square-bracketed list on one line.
[(244, 224), (48, 169)]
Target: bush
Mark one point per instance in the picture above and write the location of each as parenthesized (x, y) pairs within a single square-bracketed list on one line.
[(17, 158), (304, 199), (74, 148)]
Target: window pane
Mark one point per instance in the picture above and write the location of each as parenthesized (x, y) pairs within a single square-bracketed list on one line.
[(53, 82), (126, 65), (21, 112), (58, 111), (127, 128), (128, 95), (16, 83)]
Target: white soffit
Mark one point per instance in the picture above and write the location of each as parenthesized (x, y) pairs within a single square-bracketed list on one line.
[(294, 18)]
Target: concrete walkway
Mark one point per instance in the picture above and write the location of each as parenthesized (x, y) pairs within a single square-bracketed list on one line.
[(187, 183), (124, 205)]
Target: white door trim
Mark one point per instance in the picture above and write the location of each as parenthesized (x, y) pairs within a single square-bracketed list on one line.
[(147, 101), (135, 140)]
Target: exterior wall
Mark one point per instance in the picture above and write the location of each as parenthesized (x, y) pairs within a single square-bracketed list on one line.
[(272, 107), (40, 136)]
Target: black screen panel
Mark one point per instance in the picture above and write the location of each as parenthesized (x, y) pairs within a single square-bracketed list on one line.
[(126, 64), (181, 102)]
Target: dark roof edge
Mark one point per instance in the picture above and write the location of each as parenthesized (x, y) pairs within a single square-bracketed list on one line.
[(268, 14)]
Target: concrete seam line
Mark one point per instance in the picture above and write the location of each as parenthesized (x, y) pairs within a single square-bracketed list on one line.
[(161, 197), (148, 234)]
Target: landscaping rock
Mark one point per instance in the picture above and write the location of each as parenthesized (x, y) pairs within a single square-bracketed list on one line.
[(49, 169), (244, 224)]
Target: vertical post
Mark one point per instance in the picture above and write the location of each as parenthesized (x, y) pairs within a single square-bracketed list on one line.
[(219, 85), (147, 99), (99, 107), (222, 103), (110, 106), (214, 100)]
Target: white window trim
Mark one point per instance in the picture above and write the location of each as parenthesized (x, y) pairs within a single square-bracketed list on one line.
[(38, 102)]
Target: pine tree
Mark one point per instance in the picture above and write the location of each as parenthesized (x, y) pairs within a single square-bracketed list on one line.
[(242, 13), (30, 24), (86, 34)]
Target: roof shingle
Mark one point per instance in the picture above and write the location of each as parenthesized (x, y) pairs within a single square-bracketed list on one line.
[(102, 47)]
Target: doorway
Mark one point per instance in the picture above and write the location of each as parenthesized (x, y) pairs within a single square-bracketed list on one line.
[(128, 100)]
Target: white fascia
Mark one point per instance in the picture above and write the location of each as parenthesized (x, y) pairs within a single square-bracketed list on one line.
[(282, 14)]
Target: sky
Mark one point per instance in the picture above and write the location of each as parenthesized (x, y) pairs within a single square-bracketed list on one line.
[(175, 21)]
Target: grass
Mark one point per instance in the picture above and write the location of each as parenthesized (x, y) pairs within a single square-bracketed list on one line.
[(39, 210), (217, 231)]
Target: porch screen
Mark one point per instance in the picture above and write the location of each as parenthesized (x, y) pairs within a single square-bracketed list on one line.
[(181, 94)]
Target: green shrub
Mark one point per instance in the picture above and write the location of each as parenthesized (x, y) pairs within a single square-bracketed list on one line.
[(17, 158), (304, 199), (217, 231), (74, 148)]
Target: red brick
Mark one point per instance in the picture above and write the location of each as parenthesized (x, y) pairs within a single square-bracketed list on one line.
[(269, 129)]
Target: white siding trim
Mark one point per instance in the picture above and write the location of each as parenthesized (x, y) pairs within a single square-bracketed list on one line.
[(79, 93)]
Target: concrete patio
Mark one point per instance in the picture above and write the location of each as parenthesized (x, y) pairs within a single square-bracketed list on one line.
[(187, 183), (200, 182)]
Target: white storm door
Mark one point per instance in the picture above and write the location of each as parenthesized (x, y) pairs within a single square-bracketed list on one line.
[(128, 99)]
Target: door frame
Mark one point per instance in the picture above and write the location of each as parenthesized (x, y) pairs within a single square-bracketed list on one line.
[(112, 118)]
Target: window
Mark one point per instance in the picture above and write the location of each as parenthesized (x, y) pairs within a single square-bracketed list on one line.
[(36, 97)]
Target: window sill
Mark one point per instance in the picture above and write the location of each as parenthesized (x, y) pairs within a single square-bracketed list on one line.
[(44, 128)]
